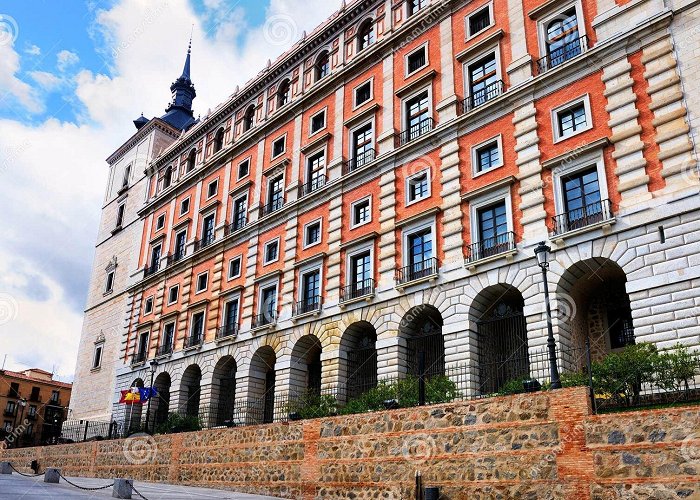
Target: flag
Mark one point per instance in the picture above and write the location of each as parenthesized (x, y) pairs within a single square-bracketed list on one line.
[(147, 393), (131, 396)]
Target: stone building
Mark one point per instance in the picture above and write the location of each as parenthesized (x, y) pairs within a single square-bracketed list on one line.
[(34, 406), (370, 202)]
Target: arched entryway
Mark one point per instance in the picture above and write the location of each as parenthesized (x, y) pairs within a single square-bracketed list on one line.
[(262, 386), (594, 304), (160, 405), (224, 391), (190, 390), (358, 360), (134, 412), (305, 375), (421, 328), (499, 326)]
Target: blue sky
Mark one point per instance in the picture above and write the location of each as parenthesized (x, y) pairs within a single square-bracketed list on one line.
[(73, 76)]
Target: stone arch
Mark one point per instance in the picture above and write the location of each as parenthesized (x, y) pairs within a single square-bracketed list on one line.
[(223, 391), (305, 366), (261, 390), (190, 390), (160, 405), (134, 412), (358, 359), (423, 346)]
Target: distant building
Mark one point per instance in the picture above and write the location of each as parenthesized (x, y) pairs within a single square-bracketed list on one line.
[(370, 202), (34, 406)]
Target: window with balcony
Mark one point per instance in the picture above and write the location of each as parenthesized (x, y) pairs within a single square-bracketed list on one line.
[(419, 254), (180, 245), (279, 146), (219, 140), (361, 211), (365, 35), (479, 21), (243, 169), (359, 275), (148, 306), (55, 396), (362, 146), (32, 411), (315, 173), (363, 94), (10, 409), (483, 80), (120, 216), (318, 122), (202, 282), (487, 156), (240, 211), (249, 118), (584, 203), (109, 282), (173, 294), (184, 207), (213, 188), (322, 68), (267, 308), (417, 60), (310, 299), (271, 251), (35, 394), (418, 187), (572, 119), (284, 93), (166, 346), (234, 268), (160, 222), (154, 264), (562, 38), (275, 194), (196, 330), (208, 230), (416, 5), (191, 161), (14, 390), (230, 325), (418, 117), (142, 350), (312, 233)]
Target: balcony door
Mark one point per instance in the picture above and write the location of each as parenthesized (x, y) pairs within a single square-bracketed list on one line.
[(155, 256), (417, 115), (208, 229), (180, 242), (493, 229), (275, 197), (231, 316), (239, 212), (311, 289), (582, 201), (563, 35), (362, 145), (483, 76), (420, 252)]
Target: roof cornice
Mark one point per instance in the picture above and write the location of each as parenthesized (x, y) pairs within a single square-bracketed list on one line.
[(153, 123)]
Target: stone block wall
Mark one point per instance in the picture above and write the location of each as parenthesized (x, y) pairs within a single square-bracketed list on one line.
[(537, 446)]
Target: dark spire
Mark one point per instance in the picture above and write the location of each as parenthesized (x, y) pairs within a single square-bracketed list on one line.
[(140, 122), (179, 113)]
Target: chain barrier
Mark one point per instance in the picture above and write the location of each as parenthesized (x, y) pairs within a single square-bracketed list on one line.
[(85, 488), (23, 474), (133, 488)]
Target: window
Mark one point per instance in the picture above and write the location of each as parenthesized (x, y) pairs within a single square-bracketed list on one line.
[(35, 394), (168, 177), (160, 222), (271, 251), (310, 291), (582, 198), (173, 294), (363, 93), (8, 426), (318, 122), (275, 194), (249, 118), (168, 338), (279, 146), (148, 306), (312, 233), (184, 206), (96, 363), (487, 155), (418, 119), (417, 187), (479, 20), (483, 80), (14, 390), (360, 268), (416, 60), (420, 248), (109, 285), (208, 230), (572, 119), (230, 317), (55, 396), (180, 245), (213, 188), (120, 215), (493, 229), (418, 253), (283, 93), (10, 407), (219, 140), (365, 35), (361, 212), (127, 175), (32, 412), (155, 258), (416, 5), (244, 168), (323, 66), (143, 347), (234, 268), (202, 282), (191, 161), (240, 208), (268, 305), (562, 38), (362, 142), (315, 172), (197, 329)]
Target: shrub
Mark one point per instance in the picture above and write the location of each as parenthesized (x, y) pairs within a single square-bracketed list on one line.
[(179, 423), (675, 368), (574, 379), (311, 405), (621, 374), (513, 386)]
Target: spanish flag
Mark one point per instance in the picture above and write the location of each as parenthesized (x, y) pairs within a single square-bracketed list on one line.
[(131, 396)]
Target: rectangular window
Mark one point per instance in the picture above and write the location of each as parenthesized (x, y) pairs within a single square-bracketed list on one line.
[(202, 282), (120, 215), (416, 60), (484, 83), (173, 294), (168, 338), (479, 20), (184, 206), (279, 146), (55, 396), (271, 251), (310, 291), (562, 39), (234, 268), (230, 317), (420, 249), (213, 188), (143, 346), (148, 306), (180, 244), (268, 305), (493, 229), (487, 156), (208, 230), (360, 268), (155, 258), (96, 362), (418, 119), (109, 285), (240, 209), (417, 187), (416, 5), (160, 222), (243, 169), (318, 122), (315, 172), (361, 212), (363, 93), (312, 233), (14, 390), (35, 394), (32, 412), (572, 120), (275, 194), (197, 329), (582, 199), (362, 145), (126, 177)]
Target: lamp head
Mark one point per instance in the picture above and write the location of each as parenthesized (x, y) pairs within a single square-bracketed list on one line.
[(154, 365), (542, 254)]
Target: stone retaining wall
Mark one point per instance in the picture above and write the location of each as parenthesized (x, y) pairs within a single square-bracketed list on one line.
[(537, 446)]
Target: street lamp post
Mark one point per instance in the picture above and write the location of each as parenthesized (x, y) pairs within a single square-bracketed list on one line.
[(154, 366), (542, 254)]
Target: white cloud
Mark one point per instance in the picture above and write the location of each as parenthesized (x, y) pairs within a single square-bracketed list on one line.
[(46, 80), (66, 59), (33, 50), (53, 174)]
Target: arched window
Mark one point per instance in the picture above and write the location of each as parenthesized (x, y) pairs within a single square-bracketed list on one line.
[(127, 176), (323, 65), (249, 118), (219, 140), (168, 177), (283, 93), (365, 35), (191, 160)]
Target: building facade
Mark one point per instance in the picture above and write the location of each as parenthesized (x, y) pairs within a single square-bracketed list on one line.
[(34, 406), (368, 206)]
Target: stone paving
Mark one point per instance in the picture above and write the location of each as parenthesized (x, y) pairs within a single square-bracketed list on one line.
[(16, 487)]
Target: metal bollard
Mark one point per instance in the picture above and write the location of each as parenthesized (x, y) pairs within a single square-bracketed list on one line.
[(122, 488), (52, 475), (5, 468)]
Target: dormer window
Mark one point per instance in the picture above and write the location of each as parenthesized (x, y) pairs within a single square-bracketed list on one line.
[(283, 93), (249, 119), (323, 65), (168, 177), (365, 35), (219, 140)]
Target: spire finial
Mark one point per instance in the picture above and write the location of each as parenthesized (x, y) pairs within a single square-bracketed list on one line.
[(189, 47)]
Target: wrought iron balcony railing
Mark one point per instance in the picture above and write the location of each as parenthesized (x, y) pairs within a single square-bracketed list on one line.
[(491, 246), (361, 159), (415, 131), (309, 187), (417, 271), (562, 54), (205, 241), (165, 350), (581, 217), (177, 256), (139, 357), (152, 269), (310, 304), (194, 341), (271, 207), (357, 290), (264, 319), (226, 331), (237, 224), (482, 96)]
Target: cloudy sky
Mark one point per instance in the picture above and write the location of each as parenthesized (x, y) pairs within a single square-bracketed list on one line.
[(73, 75)]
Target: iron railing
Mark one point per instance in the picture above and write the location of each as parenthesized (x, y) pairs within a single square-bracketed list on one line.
[(360, 160), (417, 271), (415, 131), (562, 54), (164, 350), (237, 224), (152, 269), (139, 357), (205, 241), (194, 341), (491, 246), (582, 217), (271, 207), (307, 305), (476, 99), (264, 319), (309, 187), (175, 257), (226, 331), (357, 290)]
